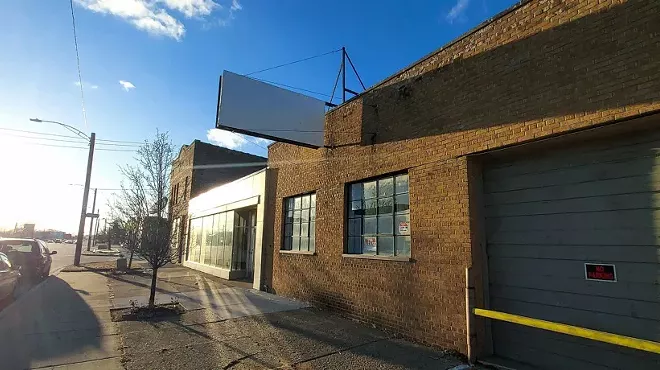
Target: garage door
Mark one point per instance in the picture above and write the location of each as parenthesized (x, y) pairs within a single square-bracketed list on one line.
[(553, 215)]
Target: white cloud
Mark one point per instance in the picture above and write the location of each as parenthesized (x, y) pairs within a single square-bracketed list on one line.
[(225, 139), (457, 10), (262, 141), (193, 8), (235, 5), (143, 14), (127, 85), (87, 85)]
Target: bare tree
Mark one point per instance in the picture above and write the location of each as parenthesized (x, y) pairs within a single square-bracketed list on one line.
[(143, 204), (130, 208)]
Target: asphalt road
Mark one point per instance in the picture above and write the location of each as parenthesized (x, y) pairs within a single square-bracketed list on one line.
[(65, 253)]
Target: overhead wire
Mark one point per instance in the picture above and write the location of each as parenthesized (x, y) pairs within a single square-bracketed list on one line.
[(46, 138), (121, 141), (80, 81), (293, 87), (37, 133), (78, 147), (105, 142), (293, 62)]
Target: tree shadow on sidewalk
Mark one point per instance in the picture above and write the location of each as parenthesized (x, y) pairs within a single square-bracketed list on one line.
[(49, 325)]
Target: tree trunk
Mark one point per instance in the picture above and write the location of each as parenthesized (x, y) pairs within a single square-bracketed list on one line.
[(152, 294), (130, 259)]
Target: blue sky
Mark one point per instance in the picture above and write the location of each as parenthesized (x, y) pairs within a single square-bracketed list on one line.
[(169, 54)]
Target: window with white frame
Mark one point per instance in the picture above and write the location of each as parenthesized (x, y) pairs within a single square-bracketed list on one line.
[(379, 217), (300, 223)]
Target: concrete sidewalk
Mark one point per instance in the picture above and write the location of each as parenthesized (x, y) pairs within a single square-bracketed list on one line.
[(195, 290), (227, 325), (63, 323)]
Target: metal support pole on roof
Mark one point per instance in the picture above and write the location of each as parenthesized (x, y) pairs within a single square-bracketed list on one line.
[(343, 74)]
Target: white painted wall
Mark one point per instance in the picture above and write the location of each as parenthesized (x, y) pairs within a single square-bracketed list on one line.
[(247, 191)]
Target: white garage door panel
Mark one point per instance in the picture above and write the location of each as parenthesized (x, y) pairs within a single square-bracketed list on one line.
[(549, 214)]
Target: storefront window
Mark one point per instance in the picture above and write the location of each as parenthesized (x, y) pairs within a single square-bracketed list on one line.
[(211, 239), (379, 217), (300, 223)]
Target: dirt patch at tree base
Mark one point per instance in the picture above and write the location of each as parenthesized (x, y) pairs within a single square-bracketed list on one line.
[(156, 313)]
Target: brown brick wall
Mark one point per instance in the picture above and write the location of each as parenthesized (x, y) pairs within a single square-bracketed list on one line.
[(544, 68)]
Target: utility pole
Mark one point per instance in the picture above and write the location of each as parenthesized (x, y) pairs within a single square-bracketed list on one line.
[(107, 235), (96, 233), (91, 222), (83, 213)]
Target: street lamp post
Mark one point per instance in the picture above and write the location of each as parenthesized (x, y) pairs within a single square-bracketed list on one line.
[(90, 157)]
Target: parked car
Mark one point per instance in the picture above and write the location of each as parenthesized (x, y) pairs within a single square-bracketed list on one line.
[(32, 255), (9, 276)]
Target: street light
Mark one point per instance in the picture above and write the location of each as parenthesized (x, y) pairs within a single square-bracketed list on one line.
[(70, 128), (90, 157)]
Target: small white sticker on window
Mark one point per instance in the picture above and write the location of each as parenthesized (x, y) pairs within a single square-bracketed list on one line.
[(404, 227)]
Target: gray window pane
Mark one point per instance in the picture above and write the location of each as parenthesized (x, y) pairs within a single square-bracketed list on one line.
[(402, 224), (296, 230), (305, 201), (312, 244), (385, 224), (295, 245), (370, 207), (385, 205), (355, 227), (304, 244), (401, 184), (304, 229), (297, 202), (369, 245), (402, 203), (289, 204), (312, 214), (287, 243), (369, 226), (296, 216), (386, 187), (312, 229), (403, 246), (369, 189), (385, 246), (356, 209), (304, 215), (289, 217), (356, 192), (313, 200), (354, 245), (288, 229)]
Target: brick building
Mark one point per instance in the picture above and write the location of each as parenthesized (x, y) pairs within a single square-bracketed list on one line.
[(198, 168), (524, 150)]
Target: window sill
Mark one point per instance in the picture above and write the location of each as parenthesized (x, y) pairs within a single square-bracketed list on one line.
[(382, 258), (306, 253)]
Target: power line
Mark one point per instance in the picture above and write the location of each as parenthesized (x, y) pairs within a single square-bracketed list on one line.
[(38, 133), (47, 138), (294, 62), (120, 141), (104, 141), (75, 41), (78, 147), (111, 144)]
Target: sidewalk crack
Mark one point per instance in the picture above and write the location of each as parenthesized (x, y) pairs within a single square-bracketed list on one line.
[(335, 352)]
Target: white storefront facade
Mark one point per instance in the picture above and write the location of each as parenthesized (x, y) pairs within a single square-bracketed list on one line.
[(225, 229)]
